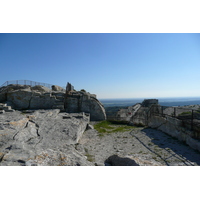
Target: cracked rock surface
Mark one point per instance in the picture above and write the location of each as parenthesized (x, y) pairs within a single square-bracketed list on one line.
[(52, 138), (42, 137), (140, 146)]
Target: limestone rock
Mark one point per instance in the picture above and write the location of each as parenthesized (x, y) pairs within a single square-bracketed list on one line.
[(41, 102), (43, 137), (89, 126), (85, 102), (57, 88), (39, 97), (20, 98), (149, 102), (116, 160), (40, 88), (67, 156)]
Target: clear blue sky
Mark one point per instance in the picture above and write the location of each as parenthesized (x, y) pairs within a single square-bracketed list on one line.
[(126, 65)]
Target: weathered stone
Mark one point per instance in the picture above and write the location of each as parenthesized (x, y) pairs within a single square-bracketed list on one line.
[(83, 102), (89, 126), (116, 160), (69, 87), (174, 128), (67, 156), (40, 97), (3, 97), (149, 102), (21, 98), (12, 87), (2, 111), (43, 137), (42, 102), (40, 88), (128, 114), (57, 88)]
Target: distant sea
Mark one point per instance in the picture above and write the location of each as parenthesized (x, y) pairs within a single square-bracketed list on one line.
[(178, 101)]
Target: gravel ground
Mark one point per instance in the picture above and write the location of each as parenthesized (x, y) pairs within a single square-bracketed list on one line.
[(146, 146)]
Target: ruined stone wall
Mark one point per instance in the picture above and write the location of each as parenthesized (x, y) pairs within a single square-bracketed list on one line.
[(174, 127), (149, 102), (24, 97), (85, 102), (129, 113), (27, 97)]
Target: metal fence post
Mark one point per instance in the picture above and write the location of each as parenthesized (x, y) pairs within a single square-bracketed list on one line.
[(192, 118)]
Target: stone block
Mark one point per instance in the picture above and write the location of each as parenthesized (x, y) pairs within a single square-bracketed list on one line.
[(2, 111), (11, 110)]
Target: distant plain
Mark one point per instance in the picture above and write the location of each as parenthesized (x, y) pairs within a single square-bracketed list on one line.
[(174, 101)]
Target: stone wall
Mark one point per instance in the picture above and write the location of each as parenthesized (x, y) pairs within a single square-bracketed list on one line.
[(85, 102), (149, 102), (24, 97), (129, 113), (174, 127), (140, 118)]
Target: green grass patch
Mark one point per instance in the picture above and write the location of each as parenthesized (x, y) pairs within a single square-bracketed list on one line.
[(90, 157), (185, 113), (104, 127)]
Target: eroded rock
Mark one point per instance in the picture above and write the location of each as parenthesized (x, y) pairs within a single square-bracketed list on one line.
[(43, 137)]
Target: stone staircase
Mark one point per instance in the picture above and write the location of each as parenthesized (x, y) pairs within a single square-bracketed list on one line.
[(4, 108)]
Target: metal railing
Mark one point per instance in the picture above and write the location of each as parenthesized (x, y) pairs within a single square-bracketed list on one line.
[(190, 117), (26, 82)]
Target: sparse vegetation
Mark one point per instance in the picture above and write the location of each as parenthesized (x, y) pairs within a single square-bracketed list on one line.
[(185, 113), (104, 127), (90, 157)]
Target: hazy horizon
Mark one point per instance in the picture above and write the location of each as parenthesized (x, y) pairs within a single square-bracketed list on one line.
[(189, 97)]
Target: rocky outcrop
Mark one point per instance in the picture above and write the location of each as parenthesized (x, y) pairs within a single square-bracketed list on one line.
[(23, 97), (26, 97), (5, 108), (42, 137), (57, 88), (82, 101), (149, 102), (174, 127), (128, 113)]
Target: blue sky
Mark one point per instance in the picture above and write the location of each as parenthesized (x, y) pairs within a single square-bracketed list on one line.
[(111, 65)]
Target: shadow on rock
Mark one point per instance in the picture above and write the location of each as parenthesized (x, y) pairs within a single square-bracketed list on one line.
[(115, 160), (165, 141)]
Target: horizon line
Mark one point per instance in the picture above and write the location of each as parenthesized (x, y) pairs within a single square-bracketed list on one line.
[(149, 97)]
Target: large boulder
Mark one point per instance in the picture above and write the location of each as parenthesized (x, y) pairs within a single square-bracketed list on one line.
[(116, 160)]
